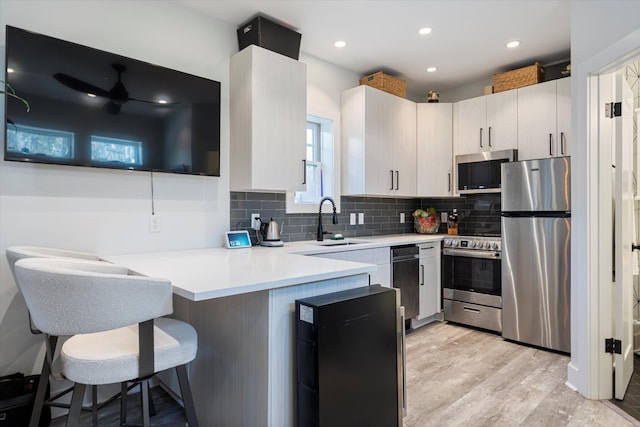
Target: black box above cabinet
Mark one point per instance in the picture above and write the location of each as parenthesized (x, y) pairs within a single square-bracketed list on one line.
[(267, 34)]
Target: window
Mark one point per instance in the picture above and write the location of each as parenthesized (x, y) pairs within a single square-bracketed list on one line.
[(107, 150), (322, 165), (314, 164), (39, 141)]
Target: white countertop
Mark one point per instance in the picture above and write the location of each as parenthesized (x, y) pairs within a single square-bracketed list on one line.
[(200, 274), (311, 247)]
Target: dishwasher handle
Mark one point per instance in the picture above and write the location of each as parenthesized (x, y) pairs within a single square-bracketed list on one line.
[(405, 258)]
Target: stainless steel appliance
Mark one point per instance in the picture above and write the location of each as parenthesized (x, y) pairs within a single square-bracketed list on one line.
[(536, 234), (480, 172), (270, 233), (405, 266), (349, 348), (471, 281)]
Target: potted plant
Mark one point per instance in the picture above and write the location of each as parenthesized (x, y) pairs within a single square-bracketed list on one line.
[(8, 91)]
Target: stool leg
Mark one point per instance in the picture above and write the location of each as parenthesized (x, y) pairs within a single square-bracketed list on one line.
[(187, 397), (123, 403), (73, 419), (43, 382), (144, 401), (152, 407), (94, 404)]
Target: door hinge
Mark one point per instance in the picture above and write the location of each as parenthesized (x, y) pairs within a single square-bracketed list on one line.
[(613, 109), (612, 346)]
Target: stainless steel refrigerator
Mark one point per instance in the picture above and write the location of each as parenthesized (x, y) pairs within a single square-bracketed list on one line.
[(536, 252)]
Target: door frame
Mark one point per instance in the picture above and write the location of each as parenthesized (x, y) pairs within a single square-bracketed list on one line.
[(590, 369)]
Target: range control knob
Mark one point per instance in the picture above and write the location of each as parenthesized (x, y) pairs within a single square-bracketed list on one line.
[(454, 243), (472, 244), (447, 242), (494, 245), (486, 245)]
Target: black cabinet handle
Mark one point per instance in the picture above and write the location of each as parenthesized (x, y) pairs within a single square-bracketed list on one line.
[(422, 281), (480, 137), (489, 136), (449, 181), (391, 179), (550, 144), (397, 180), (304, 171), (562, 143)]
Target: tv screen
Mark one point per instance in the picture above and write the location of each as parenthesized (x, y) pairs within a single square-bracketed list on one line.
[(94, 108)]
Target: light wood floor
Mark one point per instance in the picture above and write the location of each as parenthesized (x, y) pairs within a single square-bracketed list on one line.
[(457, 376), (461, 376)]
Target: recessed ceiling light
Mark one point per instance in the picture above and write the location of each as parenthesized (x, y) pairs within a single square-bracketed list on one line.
[(162, 101), (10, 70), (431, 69), (425, 30), (340, 43), (91, 95), (513, 44)]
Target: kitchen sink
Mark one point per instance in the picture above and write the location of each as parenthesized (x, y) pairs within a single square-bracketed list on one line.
[(344, 242)]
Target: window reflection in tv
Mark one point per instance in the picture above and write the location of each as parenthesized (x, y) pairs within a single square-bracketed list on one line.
[(93, 108)]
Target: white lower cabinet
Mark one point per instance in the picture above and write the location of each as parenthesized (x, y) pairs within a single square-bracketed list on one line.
[(429, 292), (378, 256)]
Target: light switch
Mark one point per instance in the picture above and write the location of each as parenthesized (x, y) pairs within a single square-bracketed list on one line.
[(352, 219), (361, 218), (443, 217), (401, 217)]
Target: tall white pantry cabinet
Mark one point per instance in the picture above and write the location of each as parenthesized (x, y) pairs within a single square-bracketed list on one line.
[(268, 97)]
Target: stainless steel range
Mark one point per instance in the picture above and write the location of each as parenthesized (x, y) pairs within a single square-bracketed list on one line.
[(472, 281)]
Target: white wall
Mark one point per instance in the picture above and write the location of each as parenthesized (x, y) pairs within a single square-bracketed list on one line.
[(107, 211), (599, 36)]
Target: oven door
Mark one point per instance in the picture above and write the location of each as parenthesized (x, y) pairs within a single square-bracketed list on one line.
[(473, 271)]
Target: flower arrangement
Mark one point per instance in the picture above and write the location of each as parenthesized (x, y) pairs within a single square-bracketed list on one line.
[(8, 90)]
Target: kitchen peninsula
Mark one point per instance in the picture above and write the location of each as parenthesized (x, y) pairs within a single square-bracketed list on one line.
[(241, 302)]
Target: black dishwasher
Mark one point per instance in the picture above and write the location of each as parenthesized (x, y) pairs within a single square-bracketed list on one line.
[(405, 262)]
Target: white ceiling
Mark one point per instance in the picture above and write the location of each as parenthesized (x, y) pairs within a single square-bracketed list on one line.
[(467, 43)]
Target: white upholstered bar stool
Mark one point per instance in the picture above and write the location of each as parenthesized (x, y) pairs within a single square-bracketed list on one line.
[(15, 253), (115, 319)]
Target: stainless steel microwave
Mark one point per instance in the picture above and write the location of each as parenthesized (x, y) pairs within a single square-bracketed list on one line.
[(480, 172)]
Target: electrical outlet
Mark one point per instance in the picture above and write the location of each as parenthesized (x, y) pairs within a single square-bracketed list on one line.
[(361, 218), (352, 219), (255, 221), (154, 224), (443, 217), (401, 217)]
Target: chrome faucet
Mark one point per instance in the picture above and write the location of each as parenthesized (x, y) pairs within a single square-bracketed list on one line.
[(335, 216)]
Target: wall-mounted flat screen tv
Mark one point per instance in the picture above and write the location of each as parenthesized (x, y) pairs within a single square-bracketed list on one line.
[(94, 108)]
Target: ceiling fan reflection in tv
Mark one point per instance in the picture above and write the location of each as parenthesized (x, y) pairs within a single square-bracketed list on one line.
[(116, 96)]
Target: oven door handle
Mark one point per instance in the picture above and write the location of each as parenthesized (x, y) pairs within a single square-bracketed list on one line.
[(470, 253)]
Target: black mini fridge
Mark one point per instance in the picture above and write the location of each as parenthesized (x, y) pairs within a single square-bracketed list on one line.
[(349, 348)]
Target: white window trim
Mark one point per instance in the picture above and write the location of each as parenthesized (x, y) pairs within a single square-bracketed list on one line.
[(334, 116)]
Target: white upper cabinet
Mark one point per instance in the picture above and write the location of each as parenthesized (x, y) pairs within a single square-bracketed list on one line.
[(268, 100), (544, 120), (563, 105), (435, 150), (378, 143), (486, 123)]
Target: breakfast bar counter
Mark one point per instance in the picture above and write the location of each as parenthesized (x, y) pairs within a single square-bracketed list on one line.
[(241, 302)]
